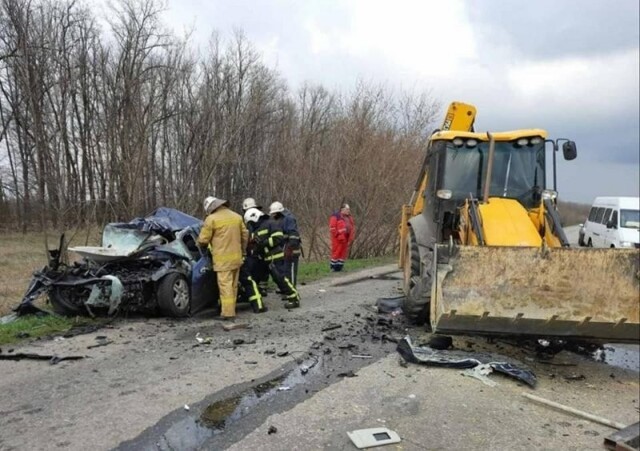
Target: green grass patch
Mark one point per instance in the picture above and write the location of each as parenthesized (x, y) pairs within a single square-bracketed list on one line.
[(33, 326), (312, 271)]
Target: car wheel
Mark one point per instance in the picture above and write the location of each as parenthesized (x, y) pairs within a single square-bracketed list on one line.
[(66, 301), (174, 295)]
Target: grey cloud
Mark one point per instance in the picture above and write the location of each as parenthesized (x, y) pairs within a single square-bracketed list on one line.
[(607, 138), (546, 29), (582, 181)]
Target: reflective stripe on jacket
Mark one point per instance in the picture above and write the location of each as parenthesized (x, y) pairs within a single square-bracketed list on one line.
[(226, 236), (287, 222), (269, 239)]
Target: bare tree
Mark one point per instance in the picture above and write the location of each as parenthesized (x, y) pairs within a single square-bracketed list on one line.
[(106, 125)]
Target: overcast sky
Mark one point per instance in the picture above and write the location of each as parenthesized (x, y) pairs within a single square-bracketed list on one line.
[(568, 66)]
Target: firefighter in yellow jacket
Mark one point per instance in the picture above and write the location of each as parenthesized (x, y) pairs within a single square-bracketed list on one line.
[(226, 236)]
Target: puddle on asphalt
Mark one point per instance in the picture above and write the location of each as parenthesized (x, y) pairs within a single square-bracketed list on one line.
[(625, 356), (192, 432), (221, 413)]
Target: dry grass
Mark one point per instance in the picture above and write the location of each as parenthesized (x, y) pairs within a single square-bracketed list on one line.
[(21, 254)]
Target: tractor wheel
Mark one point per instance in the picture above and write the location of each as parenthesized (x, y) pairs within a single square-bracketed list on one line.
[(416, 304)]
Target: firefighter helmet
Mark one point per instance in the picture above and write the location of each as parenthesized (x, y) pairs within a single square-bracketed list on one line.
[(211, 204), (276, 207), (248, 203), (252, 215)]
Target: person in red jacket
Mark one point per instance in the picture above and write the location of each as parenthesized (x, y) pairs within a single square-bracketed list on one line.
[(343, 230)]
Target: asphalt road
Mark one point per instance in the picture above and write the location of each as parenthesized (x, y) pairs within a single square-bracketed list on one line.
[(572, 234), (132, 392)]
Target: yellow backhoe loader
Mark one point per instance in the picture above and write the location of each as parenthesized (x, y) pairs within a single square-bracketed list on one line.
[(483, 250)]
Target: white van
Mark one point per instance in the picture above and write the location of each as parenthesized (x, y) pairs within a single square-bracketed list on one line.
[(613, 222)]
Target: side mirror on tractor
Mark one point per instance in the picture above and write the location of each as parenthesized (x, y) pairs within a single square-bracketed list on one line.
[(569, 150)]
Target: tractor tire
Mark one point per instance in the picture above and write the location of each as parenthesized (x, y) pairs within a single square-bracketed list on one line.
[(174, 295), (416, 304), (62, 302)]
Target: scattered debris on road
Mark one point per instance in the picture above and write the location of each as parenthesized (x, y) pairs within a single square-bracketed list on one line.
[(53, 359), (304, 369), (575, 377), (203, 341), (347, 374), (234, 326), (480, 372), (576, 412), (102, 342), (331, 327), (462, 359), (272, 430), (368, 438), (389, 305), (624, 439)]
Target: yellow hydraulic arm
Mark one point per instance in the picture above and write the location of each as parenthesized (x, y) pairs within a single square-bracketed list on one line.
[(460, 116)]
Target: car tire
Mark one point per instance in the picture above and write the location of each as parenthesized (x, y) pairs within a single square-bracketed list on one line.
[(58, 297), (174, 295), (415, 305)]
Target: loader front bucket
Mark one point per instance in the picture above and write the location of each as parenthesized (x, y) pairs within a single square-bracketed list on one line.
[(591, 294)]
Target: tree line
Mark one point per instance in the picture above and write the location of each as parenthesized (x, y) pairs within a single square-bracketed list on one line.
[(106, 123)]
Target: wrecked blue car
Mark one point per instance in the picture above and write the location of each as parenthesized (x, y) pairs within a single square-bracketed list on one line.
[(150, 265)]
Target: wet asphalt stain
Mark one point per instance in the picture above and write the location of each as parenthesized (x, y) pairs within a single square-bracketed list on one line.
[(227, 416)]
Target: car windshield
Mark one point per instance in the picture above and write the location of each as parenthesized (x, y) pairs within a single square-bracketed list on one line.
[(630, 219), (518, 171)]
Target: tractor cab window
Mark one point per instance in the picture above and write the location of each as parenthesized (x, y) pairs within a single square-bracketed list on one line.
[(518, 170)]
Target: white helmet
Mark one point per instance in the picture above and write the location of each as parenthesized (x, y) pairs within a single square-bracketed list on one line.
[(248, 203), (211, 204), (252, 215), (276, 207), (208, 202)]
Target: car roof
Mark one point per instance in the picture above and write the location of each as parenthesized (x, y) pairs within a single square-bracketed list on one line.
[(625, 202)]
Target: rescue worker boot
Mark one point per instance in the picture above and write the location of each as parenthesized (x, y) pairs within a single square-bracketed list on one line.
[(292, 303), (262, 287), (258, 306), (292, 300)]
